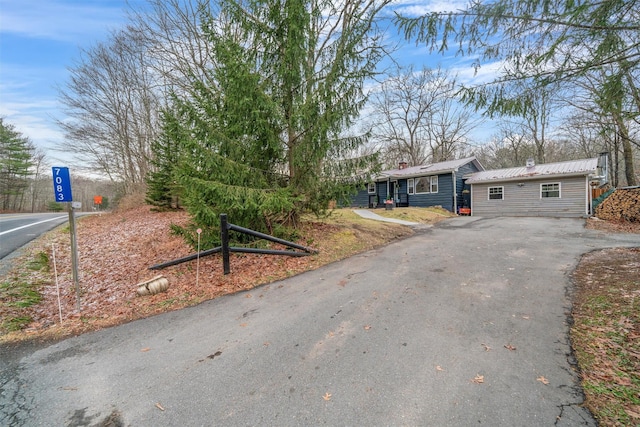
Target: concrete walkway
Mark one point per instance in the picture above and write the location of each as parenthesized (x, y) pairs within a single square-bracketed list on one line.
[(371, 215)]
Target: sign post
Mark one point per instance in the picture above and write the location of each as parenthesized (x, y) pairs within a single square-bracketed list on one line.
[(62, 191), (97, 201)]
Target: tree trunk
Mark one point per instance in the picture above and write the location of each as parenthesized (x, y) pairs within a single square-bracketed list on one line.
[(627, 151)]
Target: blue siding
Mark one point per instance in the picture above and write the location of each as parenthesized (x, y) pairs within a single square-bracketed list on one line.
[(444, 196), (381, 189), (361, 199), (402, 186), (461, 186), (462, 171)]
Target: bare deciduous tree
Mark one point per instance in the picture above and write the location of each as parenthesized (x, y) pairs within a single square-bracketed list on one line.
[(605, 103), (418, 117), (176, 47), (112, 110)]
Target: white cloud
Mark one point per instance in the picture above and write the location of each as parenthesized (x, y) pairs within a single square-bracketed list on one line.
[(31, 118), (59, 20), (468, 75), (412, 8), (37, 41)]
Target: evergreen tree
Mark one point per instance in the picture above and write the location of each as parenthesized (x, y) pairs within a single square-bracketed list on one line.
[(264, 137), (545, 43), (163, 192), (550, 41), (16, 153)]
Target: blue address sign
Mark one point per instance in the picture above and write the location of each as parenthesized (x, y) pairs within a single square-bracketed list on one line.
[(61, 184)]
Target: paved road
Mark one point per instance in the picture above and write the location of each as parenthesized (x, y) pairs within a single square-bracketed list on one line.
[(394, 336), (16, 230)]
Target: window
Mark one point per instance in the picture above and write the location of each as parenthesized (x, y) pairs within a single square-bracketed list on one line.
[(410, 186), (426, 184), (371, 188), (550, 190), (422, 184), (434, 184), (496, 193)]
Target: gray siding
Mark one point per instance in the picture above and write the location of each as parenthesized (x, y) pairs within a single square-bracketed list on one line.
[(525, 200)]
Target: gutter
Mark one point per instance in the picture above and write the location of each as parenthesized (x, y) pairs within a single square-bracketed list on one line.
[(382, 177), (588, 200), (532, 177), (455, 193)]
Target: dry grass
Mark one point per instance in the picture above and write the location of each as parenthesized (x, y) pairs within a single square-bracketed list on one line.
[(420, 215)]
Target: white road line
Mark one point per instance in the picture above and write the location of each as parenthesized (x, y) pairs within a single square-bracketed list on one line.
[(30, 225)]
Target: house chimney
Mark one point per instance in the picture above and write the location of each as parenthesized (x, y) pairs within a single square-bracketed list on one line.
[(602, 170), (531, 164), (402, 165)]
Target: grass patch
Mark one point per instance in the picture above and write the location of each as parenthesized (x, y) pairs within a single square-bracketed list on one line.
[(13, 324), (40, 262), (19, 292), (167, 303), (606, 334), (17, 296)]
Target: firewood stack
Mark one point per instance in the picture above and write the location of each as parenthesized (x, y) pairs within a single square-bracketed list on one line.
[(621, 205)]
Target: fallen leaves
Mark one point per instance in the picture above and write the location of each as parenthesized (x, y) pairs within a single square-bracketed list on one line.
[(605, 333), (117, 248), (439, 368), (510, 347), (479, 379), (543, 380), (327, 396), (159, 406), (486, 347)]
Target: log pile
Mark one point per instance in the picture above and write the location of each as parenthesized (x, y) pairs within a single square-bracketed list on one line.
[(621, 205)]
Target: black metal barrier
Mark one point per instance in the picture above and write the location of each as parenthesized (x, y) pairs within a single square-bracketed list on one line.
[(225, 227)]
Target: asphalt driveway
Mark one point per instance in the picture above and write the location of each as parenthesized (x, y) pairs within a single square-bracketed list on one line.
[(462, 324)]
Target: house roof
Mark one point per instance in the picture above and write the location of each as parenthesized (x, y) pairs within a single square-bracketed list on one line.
[(573, 167), (430, 169)]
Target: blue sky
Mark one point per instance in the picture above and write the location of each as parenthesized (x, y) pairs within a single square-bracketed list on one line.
[(40, 39)]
